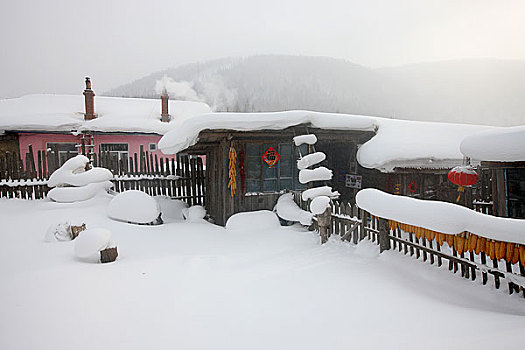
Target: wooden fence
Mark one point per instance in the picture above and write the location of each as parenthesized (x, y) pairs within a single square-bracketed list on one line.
[(181, 177), (468, 254)]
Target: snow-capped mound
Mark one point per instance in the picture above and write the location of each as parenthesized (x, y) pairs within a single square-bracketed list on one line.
[(73, 172), (172, 209), (317, 174), (319, 204), (135, 207), (310, 159), (194, 213), (319, 191), (253, 221), (78, 194)]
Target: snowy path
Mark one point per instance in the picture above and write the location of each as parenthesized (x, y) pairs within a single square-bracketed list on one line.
[(198, 286)]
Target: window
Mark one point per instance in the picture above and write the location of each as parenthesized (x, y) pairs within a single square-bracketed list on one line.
[(152, 147), (65, 150), (117, 149), (283, 175)]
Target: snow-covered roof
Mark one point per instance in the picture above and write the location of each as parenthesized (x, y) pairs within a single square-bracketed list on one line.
[(397, 143), (66, 113), (498, 145)]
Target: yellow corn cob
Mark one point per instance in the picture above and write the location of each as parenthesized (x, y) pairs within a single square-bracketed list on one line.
[(480, 245), (440, 238), (515, 254), (501, 250), (492, 249), (522, 254), (510, 252)]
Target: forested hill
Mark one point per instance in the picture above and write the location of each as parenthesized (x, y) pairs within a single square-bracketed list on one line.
[(466, 91)]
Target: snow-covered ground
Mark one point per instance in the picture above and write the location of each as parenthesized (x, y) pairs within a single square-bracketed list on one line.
[(198, 286)]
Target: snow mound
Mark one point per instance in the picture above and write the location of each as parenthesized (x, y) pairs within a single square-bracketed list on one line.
[(73, 173), (76, 194), (287, 209), (310, 159), (194, 213), (440, 216), (500, 145), (90, 242), (253, 220), (319, 204), (171, 208), (319, 191), (367, 249), (135, 207), (317, 174)]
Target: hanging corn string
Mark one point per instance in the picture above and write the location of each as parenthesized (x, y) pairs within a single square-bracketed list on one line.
[(468, 242), (232, 173)]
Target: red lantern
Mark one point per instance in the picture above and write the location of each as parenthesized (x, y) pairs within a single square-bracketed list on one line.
[(463, 175)]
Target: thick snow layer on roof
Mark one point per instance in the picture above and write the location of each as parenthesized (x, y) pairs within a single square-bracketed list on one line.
[(498, 145), (66, 113), (440, 216), (397, 143)]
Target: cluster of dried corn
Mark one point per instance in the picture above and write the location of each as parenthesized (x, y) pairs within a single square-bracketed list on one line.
[(468, 242)]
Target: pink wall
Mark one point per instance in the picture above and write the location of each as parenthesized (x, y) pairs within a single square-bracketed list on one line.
[(38, 141)]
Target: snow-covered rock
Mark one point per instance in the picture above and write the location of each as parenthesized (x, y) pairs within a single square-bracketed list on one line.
[(77, 194), (319, 204), (259, 220), (317, 174), (172, 209), (90, 242), (287, 209), (135, 207), (310, 159), (309, 139), (440, 216), (319, 191)]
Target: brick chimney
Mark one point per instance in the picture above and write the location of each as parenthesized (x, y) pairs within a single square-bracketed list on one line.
[(90, 101), (164, 116)]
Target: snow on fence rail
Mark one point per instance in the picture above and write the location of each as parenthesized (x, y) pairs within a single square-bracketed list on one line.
[(471, 255), (180, 177)]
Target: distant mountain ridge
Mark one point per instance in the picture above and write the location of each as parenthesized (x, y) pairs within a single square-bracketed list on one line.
[(471, 91)]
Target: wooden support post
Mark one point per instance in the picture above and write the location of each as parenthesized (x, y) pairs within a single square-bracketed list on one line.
[(323, 221), (384, 235)]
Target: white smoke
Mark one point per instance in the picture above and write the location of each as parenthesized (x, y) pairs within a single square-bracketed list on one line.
[(180, 90)]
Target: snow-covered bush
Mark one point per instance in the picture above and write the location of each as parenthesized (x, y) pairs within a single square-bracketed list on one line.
[(259, 220), (73, 183), (135, 207)]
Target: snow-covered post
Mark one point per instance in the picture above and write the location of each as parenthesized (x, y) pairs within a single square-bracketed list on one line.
[(384, 233), (320, 196), (323, 221)]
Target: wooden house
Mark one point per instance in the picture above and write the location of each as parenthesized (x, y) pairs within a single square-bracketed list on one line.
[(362, 152), (502, 155)]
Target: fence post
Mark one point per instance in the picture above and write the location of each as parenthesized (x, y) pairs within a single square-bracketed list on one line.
[(384, 233), (323, 221)]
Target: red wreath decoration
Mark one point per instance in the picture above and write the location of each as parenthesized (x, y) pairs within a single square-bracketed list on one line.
[(412, 187)]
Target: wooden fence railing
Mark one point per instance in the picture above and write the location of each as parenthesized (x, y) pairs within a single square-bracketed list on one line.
[(181, 177), (471, 255)]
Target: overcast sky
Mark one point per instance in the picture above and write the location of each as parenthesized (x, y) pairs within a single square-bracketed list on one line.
[(50, 45)]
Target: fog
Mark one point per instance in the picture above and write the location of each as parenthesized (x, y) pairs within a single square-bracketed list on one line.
[(49, 46)]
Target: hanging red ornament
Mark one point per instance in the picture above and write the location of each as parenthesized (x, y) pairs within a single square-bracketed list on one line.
[(463, 175)]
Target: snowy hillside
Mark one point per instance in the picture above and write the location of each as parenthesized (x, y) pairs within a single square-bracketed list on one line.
[(467, 91)]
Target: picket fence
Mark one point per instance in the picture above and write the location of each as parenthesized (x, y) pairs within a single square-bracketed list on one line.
[(180, 177)]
